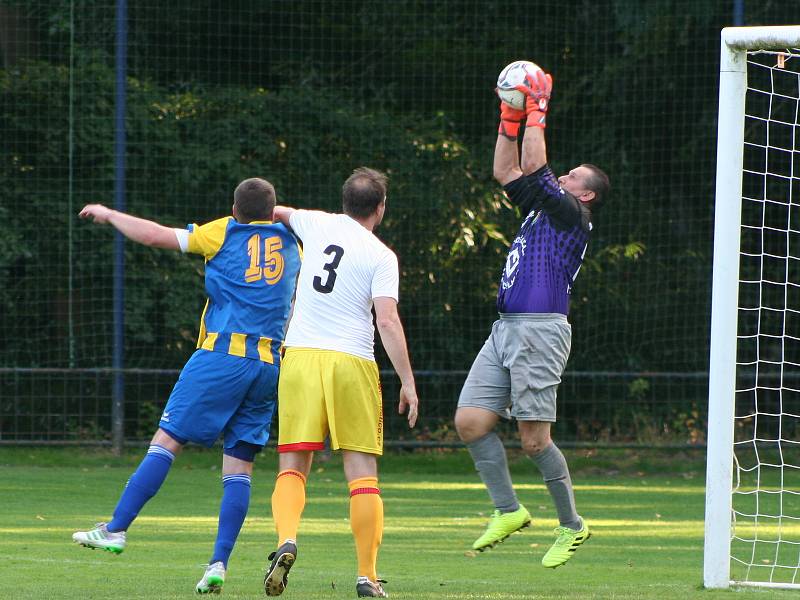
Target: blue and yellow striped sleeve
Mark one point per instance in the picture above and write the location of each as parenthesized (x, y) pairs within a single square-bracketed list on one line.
[(208, 239)]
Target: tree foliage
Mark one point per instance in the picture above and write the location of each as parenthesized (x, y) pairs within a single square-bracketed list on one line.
[(301, 93)]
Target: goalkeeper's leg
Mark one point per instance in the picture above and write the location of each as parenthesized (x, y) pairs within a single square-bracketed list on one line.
[(489, 455), (572, 530)]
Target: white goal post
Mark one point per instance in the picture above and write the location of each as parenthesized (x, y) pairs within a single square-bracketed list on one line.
[(752, 519)]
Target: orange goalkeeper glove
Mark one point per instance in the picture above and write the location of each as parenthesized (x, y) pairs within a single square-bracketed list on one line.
[(537, 97), (510, 120)]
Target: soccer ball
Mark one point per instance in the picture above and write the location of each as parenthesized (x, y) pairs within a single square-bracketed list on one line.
[(513, 75)]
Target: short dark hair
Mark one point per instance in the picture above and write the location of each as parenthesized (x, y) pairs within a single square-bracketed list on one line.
[(363, 191), (598, 183), (254, 199)]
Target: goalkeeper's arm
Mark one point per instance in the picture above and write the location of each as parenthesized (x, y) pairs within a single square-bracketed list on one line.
[(148, 233), (506, 166), (506, 160), (534, 150), (537, 102)]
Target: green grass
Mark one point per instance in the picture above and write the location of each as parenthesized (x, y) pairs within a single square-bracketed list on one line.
[(646, 518)]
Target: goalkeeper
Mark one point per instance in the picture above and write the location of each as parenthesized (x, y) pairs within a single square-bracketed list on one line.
[(518, 370), (229, 386)]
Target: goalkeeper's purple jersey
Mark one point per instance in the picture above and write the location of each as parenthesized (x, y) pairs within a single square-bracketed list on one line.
[(547, 253)]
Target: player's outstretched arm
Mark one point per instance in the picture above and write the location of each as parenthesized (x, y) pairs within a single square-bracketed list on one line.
[(394, 341), (506, 157), (537, 102), (534, 150), (139, 230)]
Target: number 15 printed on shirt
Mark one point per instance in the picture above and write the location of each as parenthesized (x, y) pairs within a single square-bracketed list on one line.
[(272, 269)]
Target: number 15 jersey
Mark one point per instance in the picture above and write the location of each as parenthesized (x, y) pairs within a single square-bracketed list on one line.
[(250, 278), (344, 267)]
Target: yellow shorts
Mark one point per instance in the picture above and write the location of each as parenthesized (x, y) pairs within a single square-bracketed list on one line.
[(323, 392)]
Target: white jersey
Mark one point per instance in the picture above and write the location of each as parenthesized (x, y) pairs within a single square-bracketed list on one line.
[(344, 267)]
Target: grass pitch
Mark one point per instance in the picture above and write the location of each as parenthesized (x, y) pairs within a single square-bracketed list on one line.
[(647, 525)]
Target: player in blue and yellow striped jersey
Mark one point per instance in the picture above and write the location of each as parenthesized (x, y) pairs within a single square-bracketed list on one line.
[(229, 385)]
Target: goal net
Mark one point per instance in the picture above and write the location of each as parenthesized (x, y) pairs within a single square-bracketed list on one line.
[(753, 479)]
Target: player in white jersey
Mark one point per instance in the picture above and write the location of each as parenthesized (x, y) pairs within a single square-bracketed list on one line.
[(345, 267), (329, 384)]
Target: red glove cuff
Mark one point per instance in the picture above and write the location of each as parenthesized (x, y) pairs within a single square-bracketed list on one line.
[(510, 120), (510, 129), (509, 113), (536, 118)]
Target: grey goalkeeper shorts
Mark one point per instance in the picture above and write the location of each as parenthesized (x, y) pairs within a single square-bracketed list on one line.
[(517, 372)]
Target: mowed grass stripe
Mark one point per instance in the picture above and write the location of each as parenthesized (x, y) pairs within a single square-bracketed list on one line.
[(648, 534)]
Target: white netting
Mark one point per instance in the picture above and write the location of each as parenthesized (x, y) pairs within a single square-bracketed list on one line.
[(765, 547)]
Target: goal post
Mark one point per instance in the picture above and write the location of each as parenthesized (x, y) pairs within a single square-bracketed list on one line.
[(749, 357)]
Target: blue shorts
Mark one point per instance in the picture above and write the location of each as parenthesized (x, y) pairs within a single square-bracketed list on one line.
[(217, 394)]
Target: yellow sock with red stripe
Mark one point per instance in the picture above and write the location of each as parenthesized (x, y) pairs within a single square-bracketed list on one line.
[(288, 502), (366, 521)]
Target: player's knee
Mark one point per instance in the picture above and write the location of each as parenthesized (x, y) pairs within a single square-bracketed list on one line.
[(463, 426), (169, 440), (534, 445), (468, 427)]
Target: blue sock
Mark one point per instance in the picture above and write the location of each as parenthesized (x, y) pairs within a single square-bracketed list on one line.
[(232, 511), (142, 486)]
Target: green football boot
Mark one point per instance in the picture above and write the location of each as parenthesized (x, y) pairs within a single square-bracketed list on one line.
[(501, 526), (567, 541)]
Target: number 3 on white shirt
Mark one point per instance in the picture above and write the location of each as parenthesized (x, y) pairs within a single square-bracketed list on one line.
[(330, 267)]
